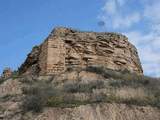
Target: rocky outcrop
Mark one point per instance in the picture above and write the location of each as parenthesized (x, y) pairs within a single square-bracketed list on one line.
[(7, 72), (101, 112), (31, 64), (10, 87), (67, 48)]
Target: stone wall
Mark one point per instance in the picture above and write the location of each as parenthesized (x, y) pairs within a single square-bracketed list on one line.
[(56, 55), (68, 48)]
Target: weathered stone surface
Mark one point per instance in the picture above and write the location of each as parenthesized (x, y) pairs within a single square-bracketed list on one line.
[(12, 97), (101, 112), (10, 87), (7, 72), (67, 48), (31, 65)]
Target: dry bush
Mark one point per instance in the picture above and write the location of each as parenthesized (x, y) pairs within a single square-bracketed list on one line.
[(127, 93), (124, 87), (81, 87), (37, 96)]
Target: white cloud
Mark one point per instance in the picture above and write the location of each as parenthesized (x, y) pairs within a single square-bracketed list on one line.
[(121, 2), (147, 43), (126, 21), (110, 7), (152, 12), (151, 69), (111, 14), (139, 39)]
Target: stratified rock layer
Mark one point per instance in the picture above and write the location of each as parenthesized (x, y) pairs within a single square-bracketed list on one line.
[(66, 48)]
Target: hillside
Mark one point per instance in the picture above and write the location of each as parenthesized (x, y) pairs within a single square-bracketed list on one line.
[(93, 93), (76, 75)]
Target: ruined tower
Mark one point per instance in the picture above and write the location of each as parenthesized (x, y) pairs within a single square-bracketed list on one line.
[(68, 48), (52, 56)]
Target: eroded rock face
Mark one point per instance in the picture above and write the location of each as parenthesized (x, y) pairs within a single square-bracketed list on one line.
[(31, 65), (101, 112), (66, 48), (10, 87)]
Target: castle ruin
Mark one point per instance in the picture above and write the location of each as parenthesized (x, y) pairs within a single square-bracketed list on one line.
[(67, 48)]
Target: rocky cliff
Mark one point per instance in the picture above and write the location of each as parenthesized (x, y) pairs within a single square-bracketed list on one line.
[(67, 48)]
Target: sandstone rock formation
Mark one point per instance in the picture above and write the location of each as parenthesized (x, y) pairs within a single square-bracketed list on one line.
[(7, 72), (67, 48)]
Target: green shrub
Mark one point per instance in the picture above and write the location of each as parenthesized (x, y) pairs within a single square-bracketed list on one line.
[(15, 74), (33, 103), (135, 101), (6, 97), (29, 79), (156, 102), (41, 94), (71, 88), (99, 98), (95, 69), (118, 75), (2, 80), (55, 101), (81, 87), (107, 73), (37, 96), (130, 83), (65, 101)]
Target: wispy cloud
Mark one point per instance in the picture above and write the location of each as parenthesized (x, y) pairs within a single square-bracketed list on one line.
[(151, 11), (112, 13), (110, 6), (120, 15), (126, 21)]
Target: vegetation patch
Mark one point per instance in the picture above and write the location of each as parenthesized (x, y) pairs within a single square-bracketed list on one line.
[(6, 97), (117, 75), (2, 80), (40, 94), (82, 88), (129, 83), (37, 96)]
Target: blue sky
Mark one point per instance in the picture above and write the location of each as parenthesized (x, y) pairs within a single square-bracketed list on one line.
[(25, 23)]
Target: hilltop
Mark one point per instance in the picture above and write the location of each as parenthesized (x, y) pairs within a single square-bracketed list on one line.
[(67, 48), (76, 75)]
